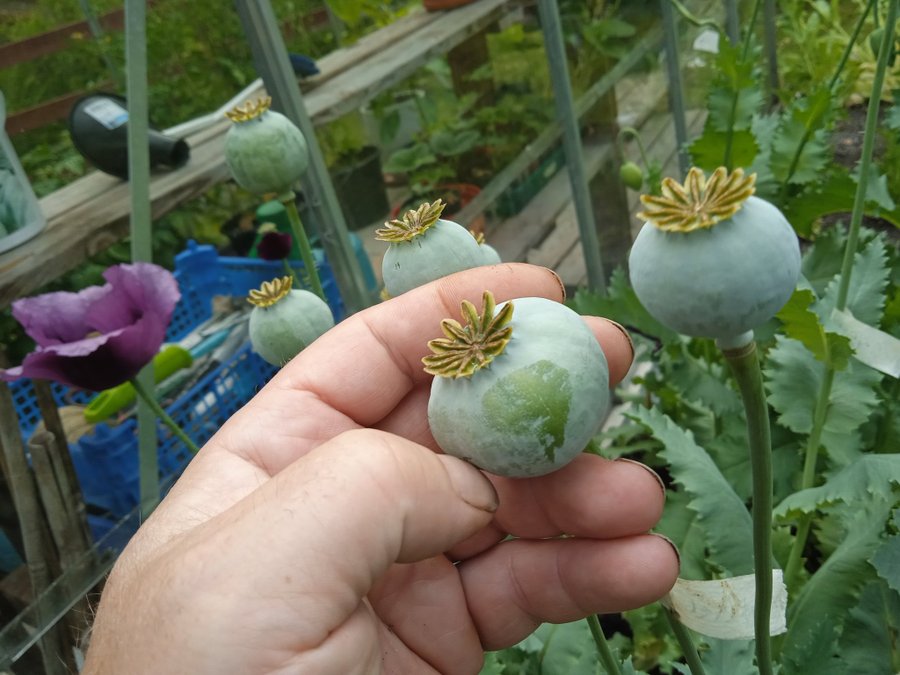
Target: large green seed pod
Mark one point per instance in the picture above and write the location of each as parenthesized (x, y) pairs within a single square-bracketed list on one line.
[(423, 247), (264, 150), (520, 390), (284, 321), (712, 260)]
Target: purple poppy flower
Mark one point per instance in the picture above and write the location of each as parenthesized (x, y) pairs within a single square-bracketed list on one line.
[(99, 337), (274, 245)]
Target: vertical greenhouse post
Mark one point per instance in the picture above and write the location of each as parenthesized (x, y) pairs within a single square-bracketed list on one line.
[(676, 89)]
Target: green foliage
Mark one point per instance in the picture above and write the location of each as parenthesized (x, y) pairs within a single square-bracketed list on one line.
[(622, 305), (818, 613), (721, 512), (801, 323), (868, 477), (886, 561)]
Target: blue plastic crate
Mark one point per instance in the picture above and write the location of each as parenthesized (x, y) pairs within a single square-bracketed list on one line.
[(106, 460)]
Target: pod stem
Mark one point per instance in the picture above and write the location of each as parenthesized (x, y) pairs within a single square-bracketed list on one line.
[(163, 416), (686, 642), (303, 244), (744, 363), (604, 651)]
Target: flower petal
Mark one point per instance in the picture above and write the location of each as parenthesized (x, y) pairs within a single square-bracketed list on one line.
[(137, 289), (98, 362), (54, 318)]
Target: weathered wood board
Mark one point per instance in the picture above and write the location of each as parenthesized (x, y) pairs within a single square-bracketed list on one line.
[(93, 212)]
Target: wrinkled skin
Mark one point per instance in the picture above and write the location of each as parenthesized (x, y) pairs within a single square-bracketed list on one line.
[(320, 532)]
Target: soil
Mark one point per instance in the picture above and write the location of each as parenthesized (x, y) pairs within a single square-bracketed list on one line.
[(847, 139)]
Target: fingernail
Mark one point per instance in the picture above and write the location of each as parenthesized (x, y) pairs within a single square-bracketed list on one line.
[(470, 484), (662, 485), (626, 334), (670, 543), (559, 281)]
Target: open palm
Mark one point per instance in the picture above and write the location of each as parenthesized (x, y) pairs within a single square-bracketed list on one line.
[(321, 531)]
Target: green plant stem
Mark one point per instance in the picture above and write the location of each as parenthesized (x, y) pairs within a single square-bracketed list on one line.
[(744, 363), (696, 21), (289, 271), (631, 132), (745, 52), (604, 651), (164, 417), (683, 635), (832, 86), (303, 244), (821, 412)]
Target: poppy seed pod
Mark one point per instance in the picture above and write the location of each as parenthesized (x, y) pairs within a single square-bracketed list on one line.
[(712, 260), (264, 150), (284, 321), (424, 247)]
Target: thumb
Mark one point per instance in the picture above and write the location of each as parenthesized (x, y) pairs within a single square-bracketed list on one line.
[(323, 530)]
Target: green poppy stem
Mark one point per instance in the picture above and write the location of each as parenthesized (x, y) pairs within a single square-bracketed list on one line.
[(683, 635), (303, 244), (163, 416), (744, 363), (604, 651), (289, 271)]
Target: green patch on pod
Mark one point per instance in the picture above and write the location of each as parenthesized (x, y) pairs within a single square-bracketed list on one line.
[(533, 400)]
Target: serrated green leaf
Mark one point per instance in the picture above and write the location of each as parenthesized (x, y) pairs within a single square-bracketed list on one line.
[(802, 324), (621, 304), (868, 283), (703, 382), (868, 638), (814, 157), (629, 669), (877, 191), (793, 378), (729, 657), (722, 513), (681, 524), (708, 151), (493, 665), (886, 562), (729, 112), (822, 260), (867, 477), (820, 609), (568, 649)]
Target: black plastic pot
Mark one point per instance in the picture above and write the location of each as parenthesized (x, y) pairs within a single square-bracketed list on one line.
[(98, 124), (359, 184)]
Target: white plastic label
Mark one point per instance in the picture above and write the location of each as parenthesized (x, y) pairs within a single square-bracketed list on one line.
[(723, 608), (875, 348), (109, 113), (707, 41)]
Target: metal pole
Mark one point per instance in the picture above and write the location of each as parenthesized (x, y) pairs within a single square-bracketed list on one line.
[(97, 32), (271, 59), (732, 21), (676, 91), (565, 113), (141, 243)]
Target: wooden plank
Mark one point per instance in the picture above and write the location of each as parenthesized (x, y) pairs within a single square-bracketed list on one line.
[(352, 88), (91, 213), (48, 112), (55, 40)]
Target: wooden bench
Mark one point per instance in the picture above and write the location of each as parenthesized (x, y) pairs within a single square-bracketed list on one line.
[(91, 213)]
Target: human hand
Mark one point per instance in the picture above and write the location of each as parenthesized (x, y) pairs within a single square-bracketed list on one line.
[(320, 531)]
